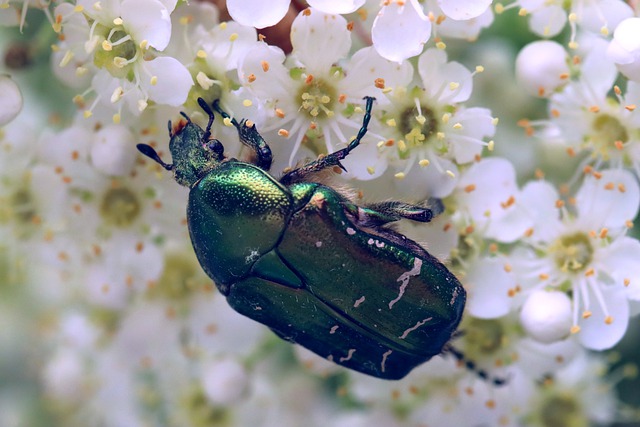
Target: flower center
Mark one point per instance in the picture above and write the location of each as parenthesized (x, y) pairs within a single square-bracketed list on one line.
[(608, 135), (572, 253), (180, 278), (202, 412), (117, 51), (120, 207), (562, 410), (19, 207), (318, 99), (418, 126), (484, 337)]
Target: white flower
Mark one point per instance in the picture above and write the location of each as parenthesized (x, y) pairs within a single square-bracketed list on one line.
[(624, 49), (584, 117), (123, 42), (586, 253), (124, 265), (429, 131), (217, 329), (573, 398), (311, 96), (548, 18)]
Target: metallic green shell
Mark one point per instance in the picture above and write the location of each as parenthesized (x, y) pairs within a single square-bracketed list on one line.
[(295, 260), (236, 214)]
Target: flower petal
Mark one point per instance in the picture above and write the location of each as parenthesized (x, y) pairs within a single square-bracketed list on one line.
[(449, 82), (464, 9), (620, 261), (488, 284), (147, 20), (366, 65), (112, 152), (597, 334), (400, 32), (336, 6), (485, 187), (319, 40), (609, 201), (172, 84), (548, 21), (258, 13), (538, 200)]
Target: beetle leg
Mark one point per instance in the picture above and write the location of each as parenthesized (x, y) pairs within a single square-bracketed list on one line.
[(471, 366), (375, 214), (250, 137), (333, 159)]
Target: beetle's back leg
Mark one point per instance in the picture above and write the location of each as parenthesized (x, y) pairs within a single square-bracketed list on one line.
[(376, 214), (333, 159), (250, 137)]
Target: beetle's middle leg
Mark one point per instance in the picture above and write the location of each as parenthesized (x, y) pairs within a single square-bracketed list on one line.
[(250, 137), (376, 214), (333, 159)]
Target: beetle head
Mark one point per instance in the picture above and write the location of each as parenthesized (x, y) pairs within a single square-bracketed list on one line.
[(193, 153)]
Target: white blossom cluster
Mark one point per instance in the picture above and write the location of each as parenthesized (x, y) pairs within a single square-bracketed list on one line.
[(113, 323)]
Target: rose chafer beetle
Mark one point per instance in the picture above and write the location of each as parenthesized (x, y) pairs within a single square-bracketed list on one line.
[(304, 259)]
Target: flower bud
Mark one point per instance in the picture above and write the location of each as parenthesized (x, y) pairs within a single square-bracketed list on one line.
[(624, 49), (541, 67), (10, 100), (546, 316)]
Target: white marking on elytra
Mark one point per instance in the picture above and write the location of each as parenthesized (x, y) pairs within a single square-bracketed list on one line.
[(384, 359), (318, 244), (454, 296), (359, 301), (404, 278), (349, 355), (371, 241), (333, 329), (253, 256), (413, 328), (351, 231), (379, 244)]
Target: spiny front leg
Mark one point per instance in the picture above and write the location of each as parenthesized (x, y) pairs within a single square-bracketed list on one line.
[(333, 159), (250, 137)]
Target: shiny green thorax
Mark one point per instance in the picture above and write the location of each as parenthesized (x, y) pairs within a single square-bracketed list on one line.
[(305, 260)]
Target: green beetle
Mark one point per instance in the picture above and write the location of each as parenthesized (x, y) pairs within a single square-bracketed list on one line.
[(307, 261)]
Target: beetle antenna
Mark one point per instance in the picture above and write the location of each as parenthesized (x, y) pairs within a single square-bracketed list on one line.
[(471, 366), (148, 151)]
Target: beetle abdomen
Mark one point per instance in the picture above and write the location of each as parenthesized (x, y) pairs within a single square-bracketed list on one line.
[(300, 317)]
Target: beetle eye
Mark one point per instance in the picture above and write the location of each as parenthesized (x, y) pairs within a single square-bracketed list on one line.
[(215, 146)]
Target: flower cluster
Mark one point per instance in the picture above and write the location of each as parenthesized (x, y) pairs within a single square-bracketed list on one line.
[(99, 279)]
